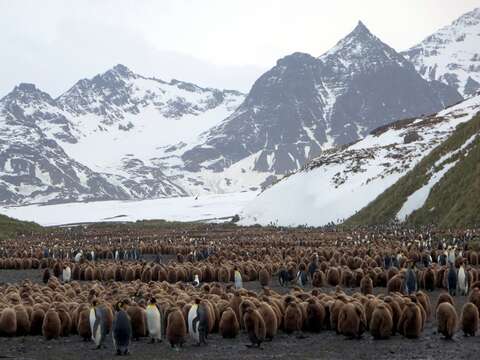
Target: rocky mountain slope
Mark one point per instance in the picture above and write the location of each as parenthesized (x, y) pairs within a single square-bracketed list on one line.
[(341, 182), (89, 143), (452, 54), (305, 105)]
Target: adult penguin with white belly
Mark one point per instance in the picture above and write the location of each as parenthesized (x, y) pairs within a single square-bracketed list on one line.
[(98, 324), (66, 274), (196, 281), (238, 279), (198, 322), (154, 321), (462, 281)]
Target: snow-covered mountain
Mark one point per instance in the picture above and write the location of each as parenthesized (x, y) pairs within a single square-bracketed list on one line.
[(93, 141), (452, 54), (34, 167), (342, 181), (121, 135), (304, 105)]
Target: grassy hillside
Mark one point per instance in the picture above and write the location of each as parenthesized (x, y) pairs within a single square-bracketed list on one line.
[(10, 227), (453, 202)]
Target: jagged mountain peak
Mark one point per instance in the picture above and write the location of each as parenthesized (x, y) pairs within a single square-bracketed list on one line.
[(361, 50), (361, 31), (26, 93), (469, 18), (295, 59), (122, 70), (118, 73)]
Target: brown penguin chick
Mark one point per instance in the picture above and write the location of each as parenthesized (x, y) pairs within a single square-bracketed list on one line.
[(36, 321), (370, 306), (366, 285), (65, 320), (8, 322), (176, 329), (444, 297), (470, 317), (255, 326), (211, 315), (293, 319), (229, 327), (410, 322), (146, 275), (264, 277), (52, 326), (172, 275), (318, 279), (395, 310), (130, 274), (246, 302), (335, 308), (315, 316), (424, 300), (23, 320), (333, 276), (83, 325), (446, 319), (89, 273), (429, 279), (270, 319), (381, 323), (395, 284), (185, 310), (475, 297), (350, 322), (57, 269), (235, 305), (413, 298), (138, 318)]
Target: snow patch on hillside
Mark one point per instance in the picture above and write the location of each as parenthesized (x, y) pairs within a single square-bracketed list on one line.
[(416, 200), (340, 182)]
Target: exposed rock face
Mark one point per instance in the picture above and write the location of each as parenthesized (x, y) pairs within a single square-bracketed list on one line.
[(452, 55), (306, 104)]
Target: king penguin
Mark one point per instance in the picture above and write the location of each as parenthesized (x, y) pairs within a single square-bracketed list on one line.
[(198, 323), (154, 321), (238, 279), (98, 325), (66, 274), (122, 330), (196, 281)]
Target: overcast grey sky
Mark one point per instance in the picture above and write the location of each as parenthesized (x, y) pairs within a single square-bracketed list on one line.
[(220, 43)]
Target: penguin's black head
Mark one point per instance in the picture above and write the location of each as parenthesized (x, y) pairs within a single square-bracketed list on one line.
[(118, 306), (197, 301), (153, 300)]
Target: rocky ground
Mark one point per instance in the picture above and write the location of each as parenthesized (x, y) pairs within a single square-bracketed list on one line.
[(326, 345)]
